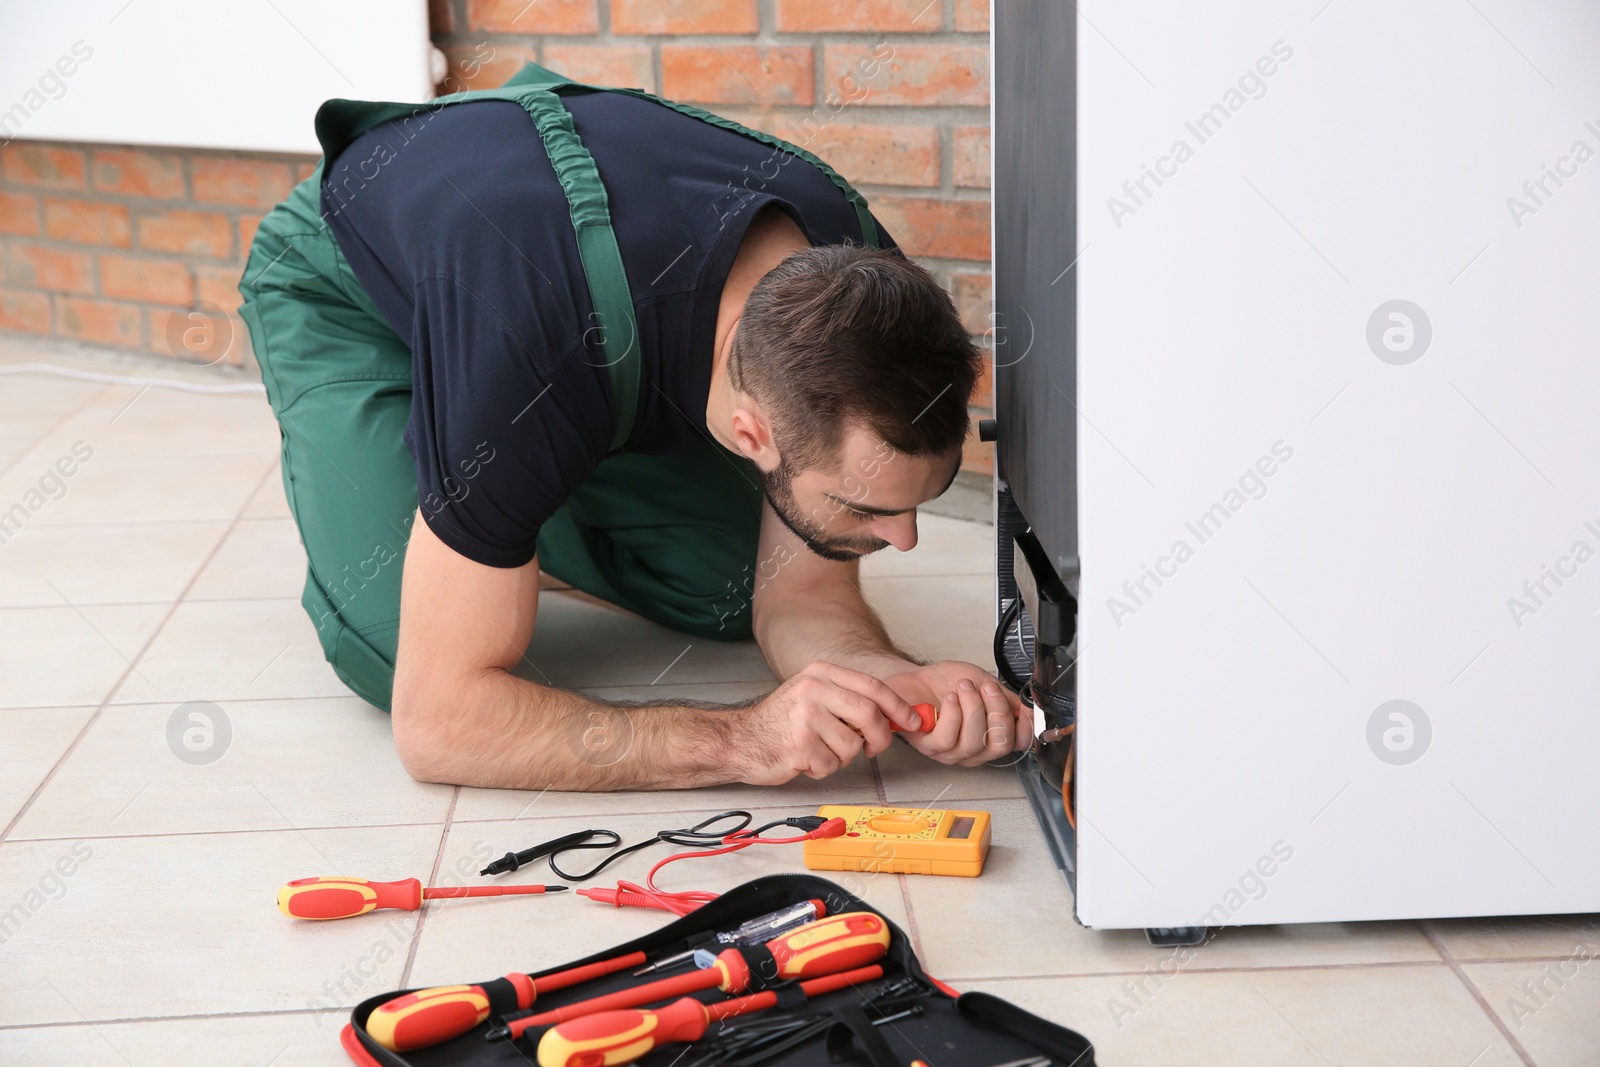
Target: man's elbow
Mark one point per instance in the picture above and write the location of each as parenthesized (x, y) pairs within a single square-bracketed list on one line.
[(418, 741)]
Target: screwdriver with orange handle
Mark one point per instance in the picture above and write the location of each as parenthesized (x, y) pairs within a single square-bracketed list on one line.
[(610, 1038), (429, 1016), (927, 719), (827, 946), (341, 898)]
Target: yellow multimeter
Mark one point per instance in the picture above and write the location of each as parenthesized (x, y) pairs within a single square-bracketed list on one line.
[(902, 841)]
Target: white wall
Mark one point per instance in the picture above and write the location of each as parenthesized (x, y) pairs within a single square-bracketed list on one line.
[(243, 74)]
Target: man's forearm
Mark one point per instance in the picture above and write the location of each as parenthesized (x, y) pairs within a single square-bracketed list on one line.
[(832, 623), (503, 732)]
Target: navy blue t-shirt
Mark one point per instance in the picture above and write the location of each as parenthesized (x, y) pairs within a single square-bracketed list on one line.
[(455, 225)]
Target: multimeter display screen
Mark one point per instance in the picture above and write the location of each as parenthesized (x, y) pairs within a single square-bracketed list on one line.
[(960, 827)]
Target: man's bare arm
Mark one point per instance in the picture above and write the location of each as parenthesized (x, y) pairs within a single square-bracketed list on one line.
[(460, 716), (807, 608)]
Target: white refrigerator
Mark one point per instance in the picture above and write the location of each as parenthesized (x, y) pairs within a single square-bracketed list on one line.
[(1297, 344)]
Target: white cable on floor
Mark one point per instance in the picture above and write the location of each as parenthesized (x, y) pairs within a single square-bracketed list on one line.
[(115, 379)]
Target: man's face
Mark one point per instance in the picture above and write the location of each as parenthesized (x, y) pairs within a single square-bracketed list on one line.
[(869, 502)]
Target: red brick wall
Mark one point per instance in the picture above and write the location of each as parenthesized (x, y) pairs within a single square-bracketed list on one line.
[(115, 246), (112, 245)]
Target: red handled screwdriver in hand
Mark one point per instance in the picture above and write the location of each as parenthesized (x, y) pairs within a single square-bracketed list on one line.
[(927, 719), (827, 946), (610, 1038)]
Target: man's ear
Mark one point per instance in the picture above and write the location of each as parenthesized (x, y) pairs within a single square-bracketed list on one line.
[(752, 433)]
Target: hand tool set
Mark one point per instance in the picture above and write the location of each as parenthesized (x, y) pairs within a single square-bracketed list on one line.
[(822, 947), (790, 970), (747, 1044), (339, 897), (780, 971)]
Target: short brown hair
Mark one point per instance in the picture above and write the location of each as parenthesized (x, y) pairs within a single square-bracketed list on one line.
[(841, 333)]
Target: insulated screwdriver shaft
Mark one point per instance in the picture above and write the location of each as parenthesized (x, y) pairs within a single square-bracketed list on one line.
[(608, 1036), (753, 932), (340, 898), (827, 946)]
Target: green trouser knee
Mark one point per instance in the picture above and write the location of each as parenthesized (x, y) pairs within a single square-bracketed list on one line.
[(672, 538)]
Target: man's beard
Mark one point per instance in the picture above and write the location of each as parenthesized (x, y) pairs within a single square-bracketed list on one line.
[(779, 491)]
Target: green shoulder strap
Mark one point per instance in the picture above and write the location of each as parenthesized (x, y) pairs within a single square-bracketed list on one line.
[(535, 75), (537, 89), (341, 121)]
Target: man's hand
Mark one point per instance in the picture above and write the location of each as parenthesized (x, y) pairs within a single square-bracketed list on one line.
[(816, 722), (979, 719)]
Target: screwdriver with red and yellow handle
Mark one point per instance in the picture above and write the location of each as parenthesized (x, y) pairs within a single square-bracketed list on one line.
[(610, 1038), (827, 946), (761, 928), (429, 1016), (341, 898), (927, 719)]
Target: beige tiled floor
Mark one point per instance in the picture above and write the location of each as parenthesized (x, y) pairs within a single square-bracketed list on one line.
[(169, 571)]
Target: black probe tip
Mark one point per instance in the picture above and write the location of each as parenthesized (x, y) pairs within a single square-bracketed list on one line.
[(508, 862), (556, 888)]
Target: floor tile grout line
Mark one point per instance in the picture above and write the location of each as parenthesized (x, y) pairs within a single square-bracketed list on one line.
[(1294, 968), (183, 593), (955, 981), (37, 441), (151, 522), (392, 825), (146, 457), (161, 835), (1474, 992), (93, 604), (147, 603), (132, 666), (126, 1020), (905, 890), (433, 876)]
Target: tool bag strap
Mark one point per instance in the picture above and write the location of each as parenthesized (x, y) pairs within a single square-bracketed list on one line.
[(852, 1035)]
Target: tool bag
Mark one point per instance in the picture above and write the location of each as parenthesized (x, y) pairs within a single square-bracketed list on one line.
[(951, 1029)]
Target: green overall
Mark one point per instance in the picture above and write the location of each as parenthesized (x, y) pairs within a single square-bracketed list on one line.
[(672, 538)]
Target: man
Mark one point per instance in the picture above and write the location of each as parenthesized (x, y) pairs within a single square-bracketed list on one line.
[(666, 359)]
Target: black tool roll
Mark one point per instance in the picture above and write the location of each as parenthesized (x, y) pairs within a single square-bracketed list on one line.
[(925, 1022)]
